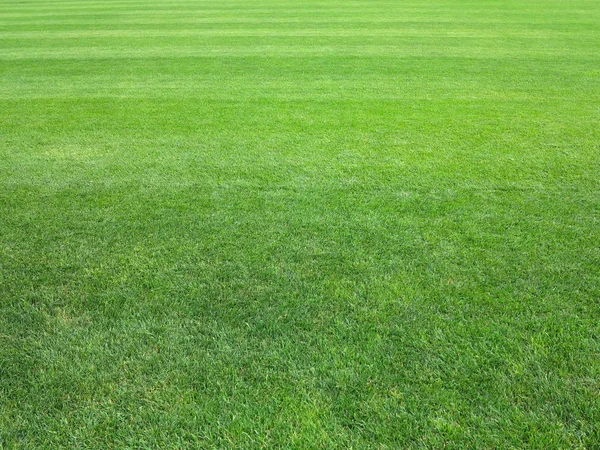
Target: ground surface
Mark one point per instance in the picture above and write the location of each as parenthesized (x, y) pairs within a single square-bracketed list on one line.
[(315, 224)]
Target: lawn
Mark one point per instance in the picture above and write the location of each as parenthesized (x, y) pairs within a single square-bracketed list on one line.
[(316, 224)]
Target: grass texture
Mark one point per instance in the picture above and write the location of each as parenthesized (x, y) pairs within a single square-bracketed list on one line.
[(299, 224)]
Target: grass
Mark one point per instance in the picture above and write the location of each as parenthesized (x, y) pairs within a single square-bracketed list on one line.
[(317, 224)]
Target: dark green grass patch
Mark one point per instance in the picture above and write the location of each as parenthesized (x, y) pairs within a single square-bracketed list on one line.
[(323, 224)]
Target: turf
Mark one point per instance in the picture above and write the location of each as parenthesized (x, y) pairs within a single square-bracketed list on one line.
[(316, 224)]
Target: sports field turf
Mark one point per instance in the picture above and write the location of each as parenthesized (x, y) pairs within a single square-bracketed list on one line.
[(313, 224)]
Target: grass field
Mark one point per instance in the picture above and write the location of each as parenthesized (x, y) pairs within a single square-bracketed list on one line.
[(314, 224)]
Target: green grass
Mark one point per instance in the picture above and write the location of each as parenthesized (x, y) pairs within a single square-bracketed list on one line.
[(315, 224)]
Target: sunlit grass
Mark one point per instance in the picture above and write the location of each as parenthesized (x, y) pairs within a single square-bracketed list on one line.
[(322, 224)]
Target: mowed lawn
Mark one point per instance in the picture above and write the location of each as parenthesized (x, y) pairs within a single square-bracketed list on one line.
[(299, 224)]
